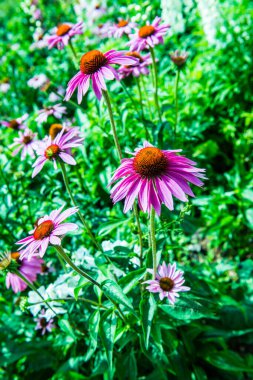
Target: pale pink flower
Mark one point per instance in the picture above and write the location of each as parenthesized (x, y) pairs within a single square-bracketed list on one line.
[(26, 143), (38, 81), (57, 111), (139, 68), (43, 324), (48, 230), (15, 124), (63, 33), (122, 27), (168, 282)]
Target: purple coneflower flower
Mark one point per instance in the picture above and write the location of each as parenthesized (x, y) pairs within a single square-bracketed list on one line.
[(96, 66), (57, 111), (148, 35), (38, 81), (153, 176), (138, 68), (26, 143), (48, 230), (43, 324), (57, 149), (63, 33), (122, 27), (15, 124), (28, 268), (168, 282)]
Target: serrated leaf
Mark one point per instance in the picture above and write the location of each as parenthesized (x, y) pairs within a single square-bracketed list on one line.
[(147, 310), (129, 281)]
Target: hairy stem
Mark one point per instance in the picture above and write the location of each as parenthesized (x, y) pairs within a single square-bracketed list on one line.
[(176, 102), (156, 83), (153, 240)]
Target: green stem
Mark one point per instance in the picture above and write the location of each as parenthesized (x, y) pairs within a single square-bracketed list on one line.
[(176, 101), (153, 240), (142, 109), (156, 83), (82, 299), (65, 178), (114, 132), (136, 213), (74, 53)]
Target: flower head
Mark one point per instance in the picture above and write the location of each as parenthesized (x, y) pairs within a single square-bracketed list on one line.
[(138, 68), (179, 58), (48, 230), (26, 144), (121, 27), (28, 268), (5, 85), (96, 66), (148, 35), (63, 33), (153, 176), (57, 149), (38, 81), (15, 124), (168, 282), (57, 111), (43, 324)]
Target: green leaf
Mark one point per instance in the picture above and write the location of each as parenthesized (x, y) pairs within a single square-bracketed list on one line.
[(81, 284), (147, 310), (249, 217), (108, 326), (228, 361), (114, 291), (93, 334), (65, 326), (129, 281)]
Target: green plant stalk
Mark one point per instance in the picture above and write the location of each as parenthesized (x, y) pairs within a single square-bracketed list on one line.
[(113, 126), (153, 240), (156, 83), (142, 109), (74, 53), (136, 213), (176, 101)]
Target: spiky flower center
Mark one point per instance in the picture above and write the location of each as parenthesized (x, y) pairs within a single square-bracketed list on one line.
[(122, 23), (146, 31), (52, 151), (135, 54), (166, 284), (63, 29), (27, 139), (5, 260), (43, 322), (43, 230), (54, 130), (14, 124), (150, 162), (92, 62), (15, 255)]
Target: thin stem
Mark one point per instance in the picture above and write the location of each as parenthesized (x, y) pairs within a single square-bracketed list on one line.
[(114, 132), (82, 299), (153, 240), (176, 101), (74, 53), (65, 178), (142, 109), (136, 213), (156, 83)]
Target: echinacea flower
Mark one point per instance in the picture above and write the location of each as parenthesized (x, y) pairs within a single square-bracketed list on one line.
[(38, 81), (48, 230), (168, 282), (148, 35), (57, 111), (122, 27), (153, 176), (57, 149), (63, 33), (43, 324), (26, 143), (139, 68), (179, 58), (96, 66), (15, 124), (28, 268)]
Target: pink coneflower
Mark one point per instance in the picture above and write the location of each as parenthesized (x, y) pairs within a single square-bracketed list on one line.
[(43, 324), (15, 124), (26, 143), (28, 268), (168, 282), (148, 35), (122, 27), (153, 176), (94, 11), (138, 68), (63, 33), (38, 81), (48, 230), (95, 65), (57, 111), (57, 149)]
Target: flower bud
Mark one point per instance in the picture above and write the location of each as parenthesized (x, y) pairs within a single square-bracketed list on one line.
[(5, 260), (179, 58)]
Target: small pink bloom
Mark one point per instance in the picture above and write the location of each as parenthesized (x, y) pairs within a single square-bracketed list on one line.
[(43, 324), (153, 176), (96, 66), (168, 282), (63, 33), (139, 68), (26, 144), (48, 230), (15, 124), (57, 149), (38, 81), (57, 111), (122, 27), (148, 35), (28, 268)]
